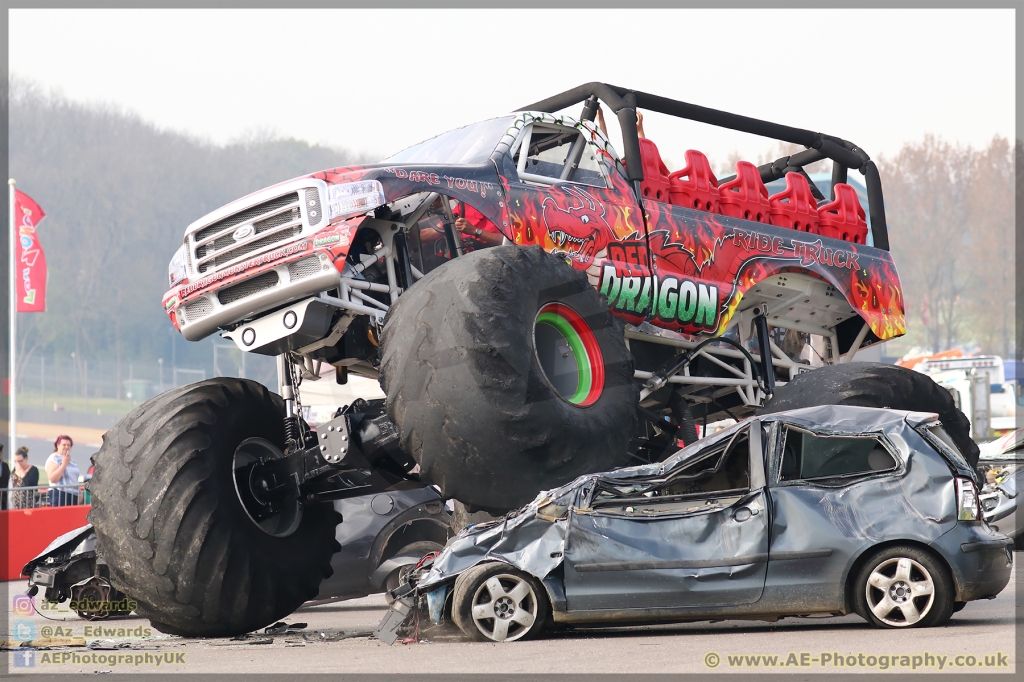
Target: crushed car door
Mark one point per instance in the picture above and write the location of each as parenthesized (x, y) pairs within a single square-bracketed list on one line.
[(697, 537), (833, 495), (566, 195)]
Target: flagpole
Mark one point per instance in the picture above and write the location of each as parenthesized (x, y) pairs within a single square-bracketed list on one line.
[(13, 439)]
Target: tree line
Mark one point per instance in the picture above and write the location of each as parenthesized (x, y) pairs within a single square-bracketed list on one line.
[(118, 194), (950, 210)]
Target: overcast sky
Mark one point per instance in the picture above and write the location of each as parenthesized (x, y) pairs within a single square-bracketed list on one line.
[(376, 81)]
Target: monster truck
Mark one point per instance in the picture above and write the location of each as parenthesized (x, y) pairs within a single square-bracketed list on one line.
[(623, 305)]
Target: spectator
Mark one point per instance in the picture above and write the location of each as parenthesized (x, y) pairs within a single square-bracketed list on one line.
[(5, 479), (24, 475), (63, 472)]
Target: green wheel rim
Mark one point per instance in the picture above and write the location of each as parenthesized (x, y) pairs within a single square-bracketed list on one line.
[(580, 339)]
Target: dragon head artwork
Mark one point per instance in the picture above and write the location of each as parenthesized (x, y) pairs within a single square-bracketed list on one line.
[(580, 232)]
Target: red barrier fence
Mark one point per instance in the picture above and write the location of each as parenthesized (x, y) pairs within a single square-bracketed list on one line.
[(24, 533)]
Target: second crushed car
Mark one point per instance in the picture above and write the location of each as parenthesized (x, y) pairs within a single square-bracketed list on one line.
[(1002, 474), (825, 510)]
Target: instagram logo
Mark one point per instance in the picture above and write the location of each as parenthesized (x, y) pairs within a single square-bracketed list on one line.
[(23, 605)]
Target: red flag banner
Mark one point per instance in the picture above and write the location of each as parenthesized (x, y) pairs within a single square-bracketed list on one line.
[(31, 261)]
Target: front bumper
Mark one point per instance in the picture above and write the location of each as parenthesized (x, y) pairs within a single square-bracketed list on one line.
[(203, 315)]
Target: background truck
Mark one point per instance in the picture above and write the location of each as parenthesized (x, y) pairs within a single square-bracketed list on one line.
[(980, 389), (534, 306)]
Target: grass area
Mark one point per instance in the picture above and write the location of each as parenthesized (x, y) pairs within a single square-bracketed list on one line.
[(72, 403)]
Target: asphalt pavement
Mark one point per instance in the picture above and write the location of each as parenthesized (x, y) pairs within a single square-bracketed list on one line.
[(336, 638)]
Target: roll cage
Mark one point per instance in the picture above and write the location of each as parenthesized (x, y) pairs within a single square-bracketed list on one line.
[(624, 102)]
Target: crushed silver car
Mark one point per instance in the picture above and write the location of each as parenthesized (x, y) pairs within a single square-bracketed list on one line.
[(823, 510)]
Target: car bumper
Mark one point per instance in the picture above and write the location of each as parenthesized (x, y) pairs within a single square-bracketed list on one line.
[(981, 560)]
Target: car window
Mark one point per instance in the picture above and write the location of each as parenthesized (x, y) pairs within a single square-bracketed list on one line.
[(806, 456), (714, 478), (558, 154), (940, 440), (728, 469)]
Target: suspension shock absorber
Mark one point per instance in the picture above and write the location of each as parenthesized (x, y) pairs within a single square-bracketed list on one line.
[(287, 390), (765, 344)]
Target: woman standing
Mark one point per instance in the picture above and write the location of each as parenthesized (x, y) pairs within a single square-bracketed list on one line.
[(62, 471), (24, 475)]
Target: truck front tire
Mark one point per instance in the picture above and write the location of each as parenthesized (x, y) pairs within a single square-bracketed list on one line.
[(171, 524), (507, 374)]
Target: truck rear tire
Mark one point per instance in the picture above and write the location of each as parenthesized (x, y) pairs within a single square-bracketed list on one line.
[(872, 384), (507, 374), (172, 526)]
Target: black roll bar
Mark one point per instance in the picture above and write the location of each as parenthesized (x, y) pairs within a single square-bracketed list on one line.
[(624, 103)]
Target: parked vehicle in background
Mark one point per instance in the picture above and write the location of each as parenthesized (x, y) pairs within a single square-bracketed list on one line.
[(1001, 470), (980, 388), (826, 510), (382, 535)]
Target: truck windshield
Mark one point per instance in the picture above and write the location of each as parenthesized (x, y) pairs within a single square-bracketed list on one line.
[(470, 145)]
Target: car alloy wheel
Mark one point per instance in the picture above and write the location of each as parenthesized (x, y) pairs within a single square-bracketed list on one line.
[(504, 608), (900, 592)]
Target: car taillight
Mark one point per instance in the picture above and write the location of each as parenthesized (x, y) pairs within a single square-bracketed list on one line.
[(967, 504)]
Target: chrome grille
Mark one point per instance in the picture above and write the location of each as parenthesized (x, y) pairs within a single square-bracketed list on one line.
[(304, 268), (215, 246), (247, 288), (313, 206), (198, 309)]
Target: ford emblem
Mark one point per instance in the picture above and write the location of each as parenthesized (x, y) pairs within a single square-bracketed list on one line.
[(244, 232)]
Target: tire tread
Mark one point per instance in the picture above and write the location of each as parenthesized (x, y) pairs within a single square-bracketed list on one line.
[(163, 527)]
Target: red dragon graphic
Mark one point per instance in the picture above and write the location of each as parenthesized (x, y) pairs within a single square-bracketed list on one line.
[(580, 233)]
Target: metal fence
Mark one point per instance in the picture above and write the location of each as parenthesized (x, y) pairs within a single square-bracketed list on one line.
[(67, 383), (41, 496)]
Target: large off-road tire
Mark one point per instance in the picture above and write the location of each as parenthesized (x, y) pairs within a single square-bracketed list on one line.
[(173, 529), (507, 374), (872, 384)]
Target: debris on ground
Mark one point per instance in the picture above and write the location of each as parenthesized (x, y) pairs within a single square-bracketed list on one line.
[(281, 627), (325, 636), (43, 644), (108, 645)]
